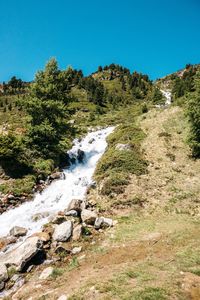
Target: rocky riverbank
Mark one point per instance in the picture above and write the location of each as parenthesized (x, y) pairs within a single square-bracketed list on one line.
[(60, 239)]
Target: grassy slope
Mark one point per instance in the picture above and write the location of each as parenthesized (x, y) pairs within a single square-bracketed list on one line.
[(153, 251)]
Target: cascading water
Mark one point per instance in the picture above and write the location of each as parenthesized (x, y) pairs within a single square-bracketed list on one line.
[(57, 196), (168, 96)]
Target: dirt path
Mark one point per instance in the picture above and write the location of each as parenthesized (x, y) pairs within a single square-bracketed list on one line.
[(153, 252)]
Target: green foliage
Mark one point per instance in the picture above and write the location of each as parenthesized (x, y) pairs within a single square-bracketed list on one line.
[(116, 165), (193, 112), (115, 183), (47, 108), (157, 96), (14, 156)]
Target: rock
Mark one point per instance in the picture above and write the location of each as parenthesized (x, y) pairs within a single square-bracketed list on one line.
[(22, 254), (18, 231), (80, 155), (46, 273), (88, 216), (7, 241), (98, 223), (56, 175), (107, 222), (15, 277), (103, 222), (91, 140), (75, 204), (2, 284), (39, 216), (59, 219), (77, 233), (76, 250), (43, 236), (71, 213), (62, 297), (123, 147), (63, 232), (3, 275), (62, 249)]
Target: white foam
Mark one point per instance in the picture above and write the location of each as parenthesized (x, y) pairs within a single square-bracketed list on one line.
[(57, 196)]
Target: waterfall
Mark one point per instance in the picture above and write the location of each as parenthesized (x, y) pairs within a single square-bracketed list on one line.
[(59, 193)]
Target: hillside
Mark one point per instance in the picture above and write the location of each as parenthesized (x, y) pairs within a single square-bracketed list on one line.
[(144, 193)]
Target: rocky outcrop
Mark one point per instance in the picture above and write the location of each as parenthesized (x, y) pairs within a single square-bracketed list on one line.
[(22, 254), (63, 232), (18, 231)]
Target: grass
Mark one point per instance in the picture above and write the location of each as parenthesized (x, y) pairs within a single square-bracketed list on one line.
[(116, 165)]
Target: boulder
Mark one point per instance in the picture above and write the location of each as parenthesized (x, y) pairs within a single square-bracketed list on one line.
[(63, 232), (58, 219), (71, 213), (102, 222), (77, 232), (46, 273), (122, 147), (5, 241), (80, 155), (39, 216), (75, 204), (76, 250), (22, 254), (62, 249), (3, 275), (43, 236), (18, 231), (88, 216), (56, 175)]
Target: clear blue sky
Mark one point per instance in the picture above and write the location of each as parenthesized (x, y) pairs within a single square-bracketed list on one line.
[(151, 36)]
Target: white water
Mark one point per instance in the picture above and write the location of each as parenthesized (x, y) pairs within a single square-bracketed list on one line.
[(57, 196), (168, 96)]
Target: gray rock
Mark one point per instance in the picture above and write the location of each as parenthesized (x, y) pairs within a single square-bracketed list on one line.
[(98, 223), (62, 249), (3, 275), (75, 204), (88, 216), (103, 222), (22, 254), (62, 297), (56, 175), (63, 232), (80, 155), (77, 233), (46, 273), (18, 231), (59, 219), (76, 250), (71, 213), (122, 147), (39, 216), (2, 284)]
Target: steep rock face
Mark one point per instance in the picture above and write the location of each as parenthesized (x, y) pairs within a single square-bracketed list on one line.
[(21, 255), (63, 232)]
